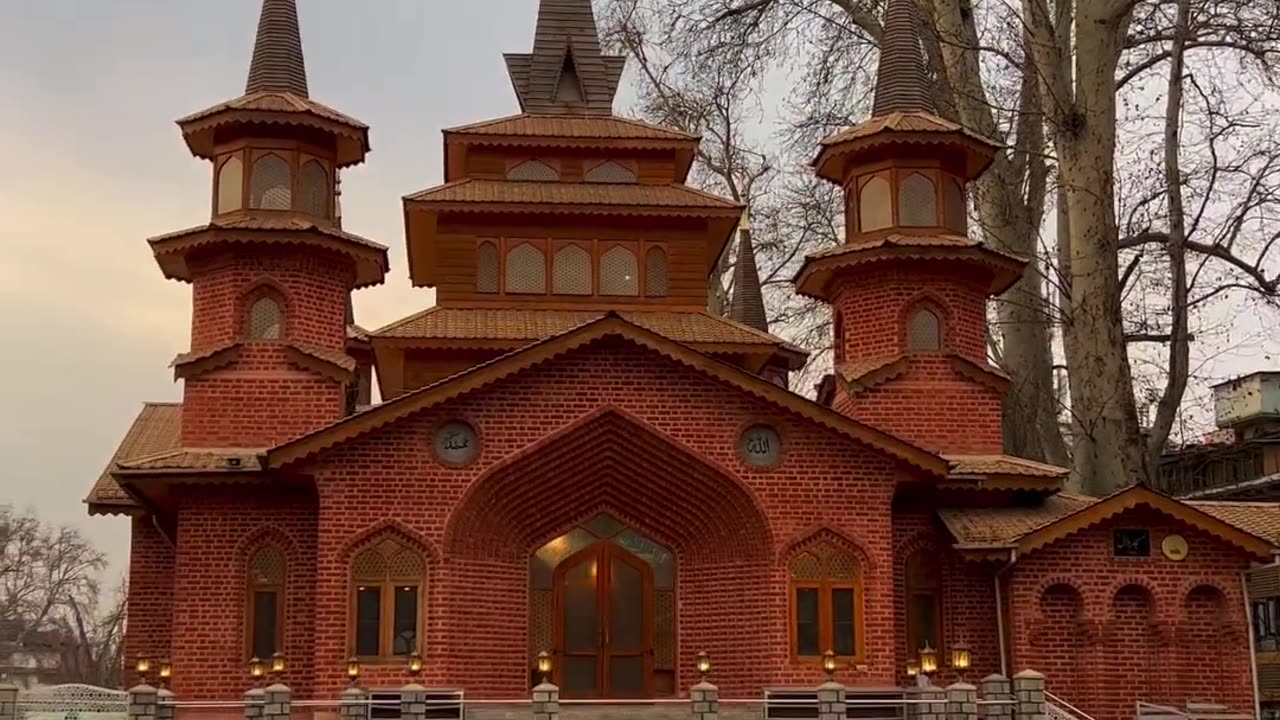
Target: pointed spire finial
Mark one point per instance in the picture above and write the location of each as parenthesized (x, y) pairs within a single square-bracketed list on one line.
[(747, 305), (902, 85), (566, 73), (278, 65)]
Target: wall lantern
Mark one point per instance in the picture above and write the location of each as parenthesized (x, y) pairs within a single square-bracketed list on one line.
[(278, 664), (143, 667), (166, 672), (829, 664), (256, 668), (544, 666), (960, 657), (928, 660), (913, 668), (353, 670), (415, 664), (704, 665)]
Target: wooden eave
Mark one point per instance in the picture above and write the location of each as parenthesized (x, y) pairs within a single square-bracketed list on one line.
[(1140, 495), (486, 374), (837, 154), (204, 130), (1002, 483), (458, 143), (337, 367), (189, 365), (815, 275), (980, 372), (171, 251)]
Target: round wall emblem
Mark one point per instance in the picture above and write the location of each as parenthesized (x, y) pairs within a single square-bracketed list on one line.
[(760, 446), (1175, 547), (455, 443)]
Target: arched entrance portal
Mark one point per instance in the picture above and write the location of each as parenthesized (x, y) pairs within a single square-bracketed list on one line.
[(602, 601)]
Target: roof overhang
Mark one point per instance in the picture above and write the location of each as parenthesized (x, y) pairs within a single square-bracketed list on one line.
[(1000, 271), (204, 130), (904, 135)]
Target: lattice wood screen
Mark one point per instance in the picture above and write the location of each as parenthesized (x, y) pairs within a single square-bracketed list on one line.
[(917, 202), (271, 186)]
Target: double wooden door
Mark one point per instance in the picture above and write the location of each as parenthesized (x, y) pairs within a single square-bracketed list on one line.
[(604, 624)]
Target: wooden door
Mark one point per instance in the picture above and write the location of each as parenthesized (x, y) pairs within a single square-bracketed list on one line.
[(604, 625)]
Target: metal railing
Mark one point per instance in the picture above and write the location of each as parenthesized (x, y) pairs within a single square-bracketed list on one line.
[(1058, 709)]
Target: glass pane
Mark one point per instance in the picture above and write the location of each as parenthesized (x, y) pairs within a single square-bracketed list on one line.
[(924, 621), (264, 623), (842, 620), (580, 675), (581, 624), (368, 619), (807, 642), (603, 526), (626, 607), (550, 555), (658, 557), (626, 676), (404, 636)]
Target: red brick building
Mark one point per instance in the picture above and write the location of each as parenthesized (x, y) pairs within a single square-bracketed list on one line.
[(571, 454)]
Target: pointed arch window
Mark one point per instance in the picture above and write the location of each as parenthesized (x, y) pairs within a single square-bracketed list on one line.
[(611, 172), (314, 189), (231, 185), (875, 208), (954, 205), (917, 202), (271, 185), (826, 603), (487, 268), (924, 601), (924, 331), (619, 272), (533, 171), (265, 601), (526, 270), (387, 579), (571, 271), (655, 266), (265, 319), (569, 89)]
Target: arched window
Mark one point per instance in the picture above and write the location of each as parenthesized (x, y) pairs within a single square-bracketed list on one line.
[(386, 579), (917, 202), (314, 190), (266, 579), (271, 187), (487, 268), (265, 320), (954, 205), (619, 272), (924, 601), (571, 271), (924, 331), (655, 266), (526, 270), (610, 172), (874, 209), (533, 171), (826, 603), (231, 185)]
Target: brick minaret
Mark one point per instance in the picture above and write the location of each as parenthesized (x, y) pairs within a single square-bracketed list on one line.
[(272, 271), (908, 288)]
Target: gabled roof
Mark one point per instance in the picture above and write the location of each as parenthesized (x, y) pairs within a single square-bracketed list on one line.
[(1251, 527), (608, 326), (625, 199), (157, 429)]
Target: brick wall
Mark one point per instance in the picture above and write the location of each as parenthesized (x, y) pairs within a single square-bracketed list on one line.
[(1110, 631), (150, 602)]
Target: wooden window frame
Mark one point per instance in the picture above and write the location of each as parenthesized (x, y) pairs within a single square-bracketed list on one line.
[(252, 588), (244, 182), (826, 618), (290, 158), (509, 245), (267, 291), (900, 176), (913, 311), (303, 160), (494, 244), (595, 248), (632, 246), (386, 609), (587, 246)]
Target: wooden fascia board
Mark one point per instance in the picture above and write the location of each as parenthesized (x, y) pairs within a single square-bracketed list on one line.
[(979, 154), (184, 369), (434, 343), (1007, 271), (1138, 496), (462, 139), (508, 365), (571, 209), (389, 363), (1001, 483), (199, 132), (170, 252), (421, 228)]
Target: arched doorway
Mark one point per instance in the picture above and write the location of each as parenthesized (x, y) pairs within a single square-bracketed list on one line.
[(602, 601)]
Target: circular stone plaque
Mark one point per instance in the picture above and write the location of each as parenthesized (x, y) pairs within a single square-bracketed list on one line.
[(760, 446), (455, 443), (1175, 547)]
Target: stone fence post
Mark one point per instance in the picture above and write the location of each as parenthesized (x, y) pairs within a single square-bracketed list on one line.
[(706, 701), (831, 701), (546, 702), (354, 704), (165, 708), (930, 703), (8, 700), (1028, 691), (142, 702), (254, 701), (277, 702), (962, 702), (996, 688), (413, 702)]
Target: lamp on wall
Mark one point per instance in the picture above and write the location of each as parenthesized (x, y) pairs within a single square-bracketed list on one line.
[(415, 664), (353, 670), (544, 666), (143, 667), (166, 672), (256, 669), (829, 664), (928, 660), (278, 664), (960, 658), (704, 665)]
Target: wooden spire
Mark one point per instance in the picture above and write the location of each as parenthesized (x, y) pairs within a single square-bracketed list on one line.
[(901, 82), (278, 64), (747, 305), (566, 74)]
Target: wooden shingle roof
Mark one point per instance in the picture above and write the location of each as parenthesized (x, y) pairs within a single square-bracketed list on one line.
[(566, 53), (552, 196), (156, 430), (578, 127), (278, 64), (901, 82)]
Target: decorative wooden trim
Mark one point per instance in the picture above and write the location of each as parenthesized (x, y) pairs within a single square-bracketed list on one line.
[(195, 364), (307, 359), (981, 373), (610, 325)]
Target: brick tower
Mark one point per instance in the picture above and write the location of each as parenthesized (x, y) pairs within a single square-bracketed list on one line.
[(908, 288), (272, 271)]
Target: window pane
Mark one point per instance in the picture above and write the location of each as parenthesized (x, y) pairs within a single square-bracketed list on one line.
[(271, 186), (924, 621), (619, 272), (581, 614), (265, 607), (626, 606), (842, 622), (231, 185), (873, 205), (368, 619), (315, 190), (405, 630), (526, 270), (571, 271), (807, 641)]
